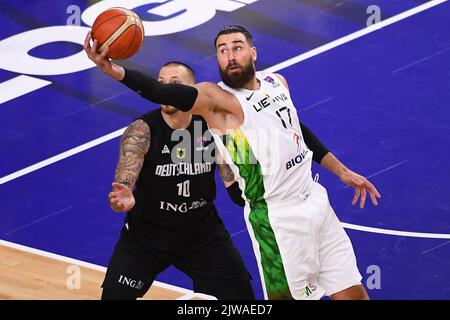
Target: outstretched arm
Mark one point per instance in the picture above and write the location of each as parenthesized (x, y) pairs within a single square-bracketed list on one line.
[(134, 145), (201, 99), (180, 96), (358, 182), (327, 160)]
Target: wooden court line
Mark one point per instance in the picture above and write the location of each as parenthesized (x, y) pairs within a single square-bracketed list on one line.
[(29, 273)]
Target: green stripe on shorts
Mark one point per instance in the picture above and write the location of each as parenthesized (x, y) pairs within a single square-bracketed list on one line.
[(250, 170)]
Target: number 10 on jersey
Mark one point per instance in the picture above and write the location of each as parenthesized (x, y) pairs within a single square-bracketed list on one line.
[(183, 188)]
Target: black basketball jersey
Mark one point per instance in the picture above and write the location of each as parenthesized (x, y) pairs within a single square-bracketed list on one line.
[(176, 186)]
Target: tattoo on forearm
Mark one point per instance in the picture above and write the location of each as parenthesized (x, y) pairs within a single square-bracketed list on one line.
[(134, 145), (225, 172)]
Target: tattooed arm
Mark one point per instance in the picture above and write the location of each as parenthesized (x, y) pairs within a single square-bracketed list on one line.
[(134, 145), (226, 174), (232, 186), (224, 171)]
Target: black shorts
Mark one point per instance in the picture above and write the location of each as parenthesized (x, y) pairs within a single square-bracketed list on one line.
[(216, 269)]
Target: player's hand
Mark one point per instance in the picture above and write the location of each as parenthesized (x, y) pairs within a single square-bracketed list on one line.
[(101, 60), (121, 198), (362, 186)]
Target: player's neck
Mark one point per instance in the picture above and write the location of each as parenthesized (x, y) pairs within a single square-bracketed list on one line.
[(253, 84), (177, 120)]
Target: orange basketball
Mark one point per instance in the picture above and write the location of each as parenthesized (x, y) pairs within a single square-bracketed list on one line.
[(121, 29)]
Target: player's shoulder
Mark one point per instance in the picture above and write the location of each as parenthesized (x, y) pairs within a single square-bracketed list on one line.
[(139, 126), (209, 86), (149, 115), (281, 77), (272, 77), (152, 118), (218, 92), (197, 117), (144, 122)]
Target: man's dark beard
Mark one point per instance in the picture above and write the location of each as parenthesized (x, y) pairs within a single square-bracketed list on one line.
[(238, 79)]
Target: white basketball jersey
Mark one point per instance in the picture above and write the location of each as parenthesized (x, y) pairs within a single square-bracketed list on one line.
[(267, 153)]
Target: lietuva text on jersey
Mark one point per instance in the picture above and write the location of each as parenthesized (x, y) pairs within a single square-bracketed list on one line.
[(267, 153)]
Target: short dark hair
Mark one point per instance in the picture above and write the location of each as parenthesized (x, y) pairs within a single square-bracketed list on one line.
[(178, 63), (235, 29)]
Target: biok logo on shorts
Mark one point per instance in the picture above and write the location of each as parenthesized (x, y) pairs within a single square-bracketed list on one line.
[(130, 282)]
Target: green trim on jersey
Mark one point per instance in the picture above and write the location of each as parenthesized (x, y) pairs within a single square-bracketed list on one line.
[(241, 153)]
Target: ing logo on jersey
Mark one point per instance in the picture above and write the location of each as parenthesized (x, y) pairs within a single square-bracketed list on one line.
[(181, 153)]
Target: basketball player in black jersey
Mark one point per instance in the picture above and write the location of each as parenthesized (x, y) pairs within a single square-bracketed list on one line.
[(165, 182)]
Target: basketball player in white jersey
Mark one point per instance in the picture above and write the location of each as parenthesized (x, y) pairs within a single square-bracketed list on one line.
[(301, 248)]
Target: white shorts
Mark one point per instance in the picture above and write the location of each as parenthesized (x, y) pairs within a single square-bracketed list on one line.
[(301, 248)]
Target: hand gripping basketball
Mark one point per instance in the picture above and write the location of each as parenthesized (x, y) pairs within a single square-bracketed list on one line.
[(119, 29)]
